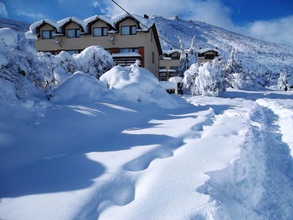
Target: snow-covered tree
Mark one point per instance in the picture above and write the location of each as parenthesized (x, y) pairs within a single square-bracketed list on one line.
[(187, 58), (282, 80), (192, 54), (21, 73), (233, 65), (183, 58), (207, 81), (189, 79)]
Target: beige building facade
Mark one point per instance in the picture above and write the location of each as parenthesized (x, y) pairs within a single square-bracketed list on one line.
[(126, 37)]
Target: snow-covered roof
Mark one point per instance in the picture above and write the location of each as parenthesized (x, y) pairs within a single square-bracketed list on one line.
[(144, 23), (168, 52), (204, 50)]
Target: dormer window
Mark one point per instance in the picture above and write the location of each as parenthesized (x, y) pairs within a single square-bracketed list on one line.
[(100, 31), (48, 34), (128, 30), (73, 33)]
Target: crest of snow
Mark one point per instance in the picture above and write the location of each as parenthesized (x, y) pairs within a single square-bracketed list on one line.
[(176, 79), (94, 18), (144, 23), (79, 87), (8, 37), (204, 50), (139, 85), (33, 34)]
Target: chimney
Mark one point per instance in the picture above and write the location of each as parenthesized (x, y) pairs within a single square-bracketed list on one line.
[(146, 16)]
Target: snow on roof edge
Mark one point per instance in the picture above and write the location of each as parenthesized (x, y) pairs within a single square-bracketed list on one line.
[(144, 23)]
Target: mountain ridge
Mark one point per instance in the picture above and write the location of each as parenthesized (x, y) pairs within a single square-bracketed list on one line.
[(255, 55)]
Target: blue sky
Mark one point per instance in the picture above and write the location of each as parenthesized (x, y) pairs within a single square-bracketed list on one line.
[(269, 20)]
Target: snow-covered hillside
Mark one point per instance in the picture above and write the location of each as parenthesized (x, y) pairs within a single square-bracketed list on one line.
[(255, 55)]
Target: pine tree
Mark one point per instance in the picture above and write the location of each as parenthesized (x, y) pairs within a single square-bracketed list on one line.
[(282, 80)]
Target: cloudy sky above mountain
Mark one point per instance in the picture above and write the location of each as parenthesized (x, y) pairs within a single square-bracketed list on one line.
[(269, 20)]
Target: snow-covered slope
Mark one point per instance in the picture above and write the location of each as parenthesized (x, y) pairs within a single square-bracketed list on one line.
[(255, 55), (21, 26)]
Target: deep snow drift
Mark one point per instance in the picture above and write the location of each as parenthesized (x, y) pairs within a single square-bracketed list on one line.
[(217, 158)]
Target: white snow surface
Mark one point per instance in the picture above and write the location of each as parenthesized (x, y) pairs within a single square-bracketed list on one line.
[(216, 158), (122, 148)]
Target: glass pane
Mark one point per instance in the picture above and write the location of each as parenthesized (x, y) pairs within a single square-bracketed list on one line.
[(70, 33), (105, 31), (125, 30), (46, 34), (125, 50), (78, 33), (52, 34), (97, 32), (133, 29)]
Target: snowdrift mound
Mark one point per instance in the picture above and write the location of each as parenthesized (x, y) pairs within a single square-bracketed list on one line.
[(133, 84), (138, 85), (79, 87)]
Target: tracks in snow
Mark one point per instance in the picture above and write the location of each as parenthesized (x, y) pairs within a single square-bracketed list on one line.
[(259, 184)]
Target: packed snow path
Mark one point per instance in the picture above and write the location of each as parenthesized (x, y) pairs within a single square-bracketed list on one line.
[(220, 158)]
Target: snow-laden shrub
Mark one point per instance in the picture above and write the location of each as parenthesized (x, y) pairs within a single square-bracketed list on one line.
[(242, 80), (137, 84), (18, 56), (93, 60), (207, 81), (20, 70)]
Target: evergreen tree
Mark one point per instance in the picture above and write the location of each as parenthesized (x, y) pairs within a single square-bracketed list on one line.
[(233, 65), (282, 80), (183, 59)]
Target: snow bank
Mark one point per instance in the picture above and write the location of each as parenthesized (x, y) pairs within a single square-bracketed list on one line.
[(79, 87), (139, 85)]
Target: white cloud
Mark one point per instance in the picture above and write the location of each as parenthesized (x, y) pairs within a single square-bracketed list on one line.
[(277, 30), (96, 4), (3, 11), (210, 11), (30, 15)]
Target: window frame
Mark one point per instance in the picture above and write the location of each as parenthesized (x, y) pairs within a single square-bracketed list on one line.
[(77, 32), (128, 50), (50, 32), (130, 30), (103, 31)]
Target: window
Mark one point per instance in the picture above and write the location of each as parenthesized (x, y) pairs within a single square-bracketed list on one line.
[(163, 67), (100, 31), (128, 50), (48, 34), (175, 56), (73, 33), (72, 51), (128, 30), (209, 56), (174, 68), (153, 57)]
